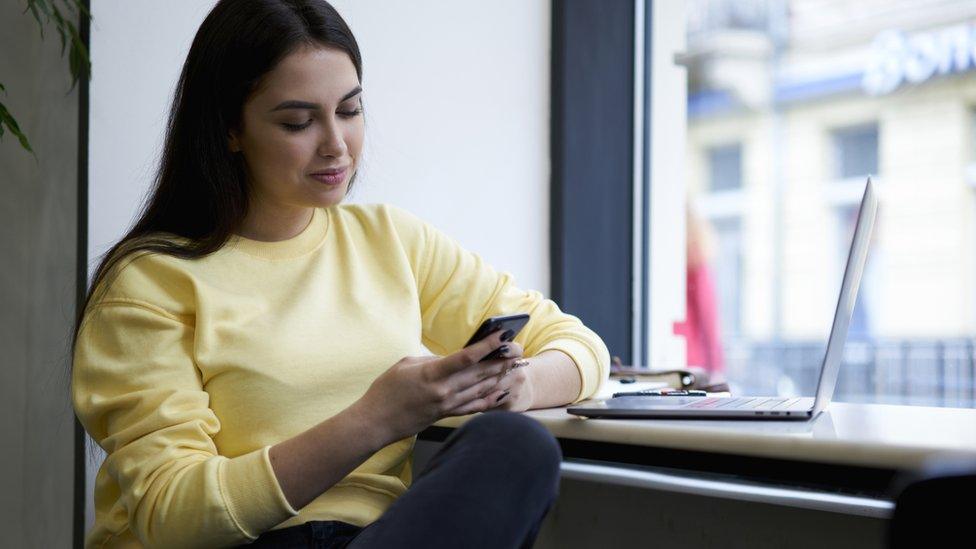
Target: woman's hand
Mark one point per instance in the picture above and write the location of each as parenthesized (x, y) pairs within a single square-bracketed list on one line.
[(514, 386), (418, 391), (518, 386)]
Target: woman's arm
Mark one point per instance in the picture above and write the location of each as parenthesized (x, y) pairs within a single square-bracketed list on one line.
[(411, 395), (457, 290), (555, 379), (310, 463), (137, 391)]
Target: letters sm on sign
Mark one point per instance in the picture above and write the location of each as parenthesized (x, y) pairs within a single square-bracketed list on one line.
[(897, 58)]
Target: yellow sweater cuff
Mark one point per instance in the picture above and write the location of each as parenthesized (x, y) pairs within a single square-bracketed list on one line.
[(254, 497)]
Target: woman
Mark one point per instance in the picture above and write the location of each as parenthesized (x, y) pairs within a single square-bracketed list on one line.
[(250, 356)]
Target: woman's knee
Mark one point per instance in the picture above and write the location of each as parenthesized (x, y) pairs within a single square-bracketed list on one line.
[(519, 435)]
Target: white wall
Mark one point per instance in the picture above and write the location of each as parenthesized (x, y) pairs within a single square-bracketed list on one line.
[(457, 100), (137, 50)]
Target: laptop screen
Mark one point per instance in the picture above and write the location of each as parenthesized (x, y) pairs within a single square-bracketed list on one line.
[(856, 260)]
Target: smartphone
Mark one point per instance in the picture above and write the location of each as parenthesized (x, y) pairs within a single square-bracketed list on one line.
[(515, 323)]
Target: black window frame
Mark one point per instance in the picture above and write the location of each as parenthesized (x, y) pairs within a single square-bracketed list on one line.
[(592, 169)]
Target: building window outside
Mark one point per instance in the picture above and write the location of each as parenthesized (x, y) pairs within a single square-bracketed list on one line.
[(856, 151), (725, 175), (728, 274), (725, 167)]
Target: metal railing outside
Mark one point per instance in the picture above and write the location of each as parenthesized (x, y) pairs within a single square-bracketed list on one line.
[(939, 372)]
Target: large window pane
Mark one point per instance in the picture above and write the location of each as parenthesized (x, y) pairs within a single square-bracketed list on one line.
[(791, 105)]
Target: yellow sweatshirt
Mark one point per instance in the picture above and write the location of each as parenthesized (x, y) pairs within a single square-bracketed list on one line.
[(187, 371)]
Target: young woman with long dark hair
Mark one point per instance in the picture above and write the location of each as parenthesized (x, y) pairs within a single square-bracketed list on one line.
[(250, 355)]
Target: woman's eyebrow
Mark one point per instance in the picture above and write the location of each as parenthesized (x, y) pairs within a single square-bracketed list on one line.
[(305, 105)]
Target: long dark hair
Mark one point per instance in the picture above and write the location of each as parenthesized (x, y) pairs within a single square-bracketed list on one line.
[(200, 191)]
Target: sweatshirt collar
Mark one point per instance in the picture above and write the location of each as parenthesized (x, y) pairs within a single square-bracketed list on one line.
[(304, 242)]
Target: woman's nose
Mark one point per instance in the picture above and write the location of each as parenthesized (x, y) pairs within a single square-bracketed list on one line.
[(333, 142)]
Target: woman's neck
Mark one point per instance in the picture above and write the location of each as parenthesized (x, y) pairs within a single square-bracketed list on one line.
[(273, 225)]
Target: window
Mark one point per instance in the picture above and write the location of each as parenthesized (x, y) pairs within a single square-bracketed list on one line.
[(728, 274), (822, 100), (856, 151), (725, 167)]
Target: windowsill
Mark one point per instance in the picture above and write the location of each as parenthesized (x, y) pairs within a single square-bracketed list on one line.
[(876, 436)]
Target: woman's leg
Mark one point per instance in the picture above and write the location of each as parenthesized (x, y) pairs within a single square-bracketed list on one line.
[(490, 485), (312, 534)]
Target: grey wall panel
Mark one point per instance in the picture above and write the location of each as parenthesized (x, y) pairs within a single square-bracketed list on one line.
[(38, 201)]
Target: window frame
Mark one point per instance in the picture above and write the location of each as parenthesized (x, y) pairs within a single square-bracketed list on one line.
[(640, 254)]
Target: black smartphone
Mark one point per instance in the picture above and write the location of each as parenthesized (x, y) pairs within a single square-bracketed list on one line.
[(515, 323)]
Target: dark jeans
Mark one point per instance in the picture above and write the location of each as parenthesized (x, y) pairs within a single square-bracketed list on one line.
[(490, 485)]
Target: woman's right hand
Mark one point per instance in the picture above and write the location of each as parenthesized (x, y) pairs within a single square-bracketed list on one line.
[(418, 391)]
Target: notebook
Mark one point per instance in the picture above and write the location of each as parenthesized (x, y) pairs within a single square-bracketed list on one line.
[(763, 407)]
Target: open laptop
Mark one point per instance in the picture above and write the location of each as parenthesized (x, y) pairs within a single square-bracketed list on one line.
[(708, 407)]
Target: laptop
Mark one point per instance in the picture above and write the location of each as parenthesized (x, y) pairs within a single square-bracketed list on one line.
[(759, 407)]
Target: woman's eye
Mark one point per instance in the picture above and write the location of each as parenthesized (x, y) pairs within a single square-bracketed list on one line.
[(296, 127), (300, 127), (350, 114)]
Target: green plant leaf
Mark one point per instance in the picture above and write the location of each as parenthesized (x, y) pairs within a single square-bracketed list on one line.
[(79, 62), (7, 120), (59, 23), (80, 6), (32, 6), (45, 7), (83, 65), (75, 64)]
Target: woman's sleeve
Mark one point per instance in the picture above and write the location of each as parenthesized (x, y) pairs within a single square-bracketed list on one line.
[(458, 290), (138, 393)]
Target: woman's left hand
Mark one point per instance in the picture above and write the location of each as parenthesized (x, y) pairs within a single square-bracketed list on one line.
[(518, 384)]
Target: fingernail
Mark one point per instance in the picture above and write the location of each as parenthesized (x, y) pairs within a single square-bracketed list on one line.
[(508, 335), (503, 349), (503, 395)]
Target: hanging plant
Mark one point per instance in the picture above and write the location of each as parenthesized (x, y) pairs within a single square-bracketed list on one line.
[(63, 13)]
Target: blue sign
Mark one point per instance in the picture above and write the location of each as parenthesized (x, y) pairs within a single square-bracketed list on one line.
[(897, 58)]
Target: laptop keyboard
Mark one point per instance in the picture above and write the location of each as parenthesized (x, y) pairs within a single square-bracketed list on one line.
[(744, 403)]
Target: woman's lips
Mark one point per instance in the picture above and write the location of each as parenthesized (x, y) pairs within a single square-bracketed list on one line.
[(330, 177)]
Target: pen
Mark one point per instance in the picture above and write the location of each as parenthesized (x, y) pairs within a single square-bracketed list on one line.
[(662, 392)]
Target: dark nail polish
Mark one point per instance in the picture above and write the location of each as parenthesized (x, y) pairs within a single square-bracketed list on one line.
[(508, 335), (503, 350), (503, 395)]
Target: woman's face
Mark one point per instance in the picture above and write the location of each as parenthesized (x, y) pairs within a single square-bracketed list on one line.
[(304, 119)]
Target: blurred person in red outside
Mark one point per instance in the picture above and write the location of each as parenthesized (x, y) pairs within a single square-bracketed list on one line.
[(700, 328)]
